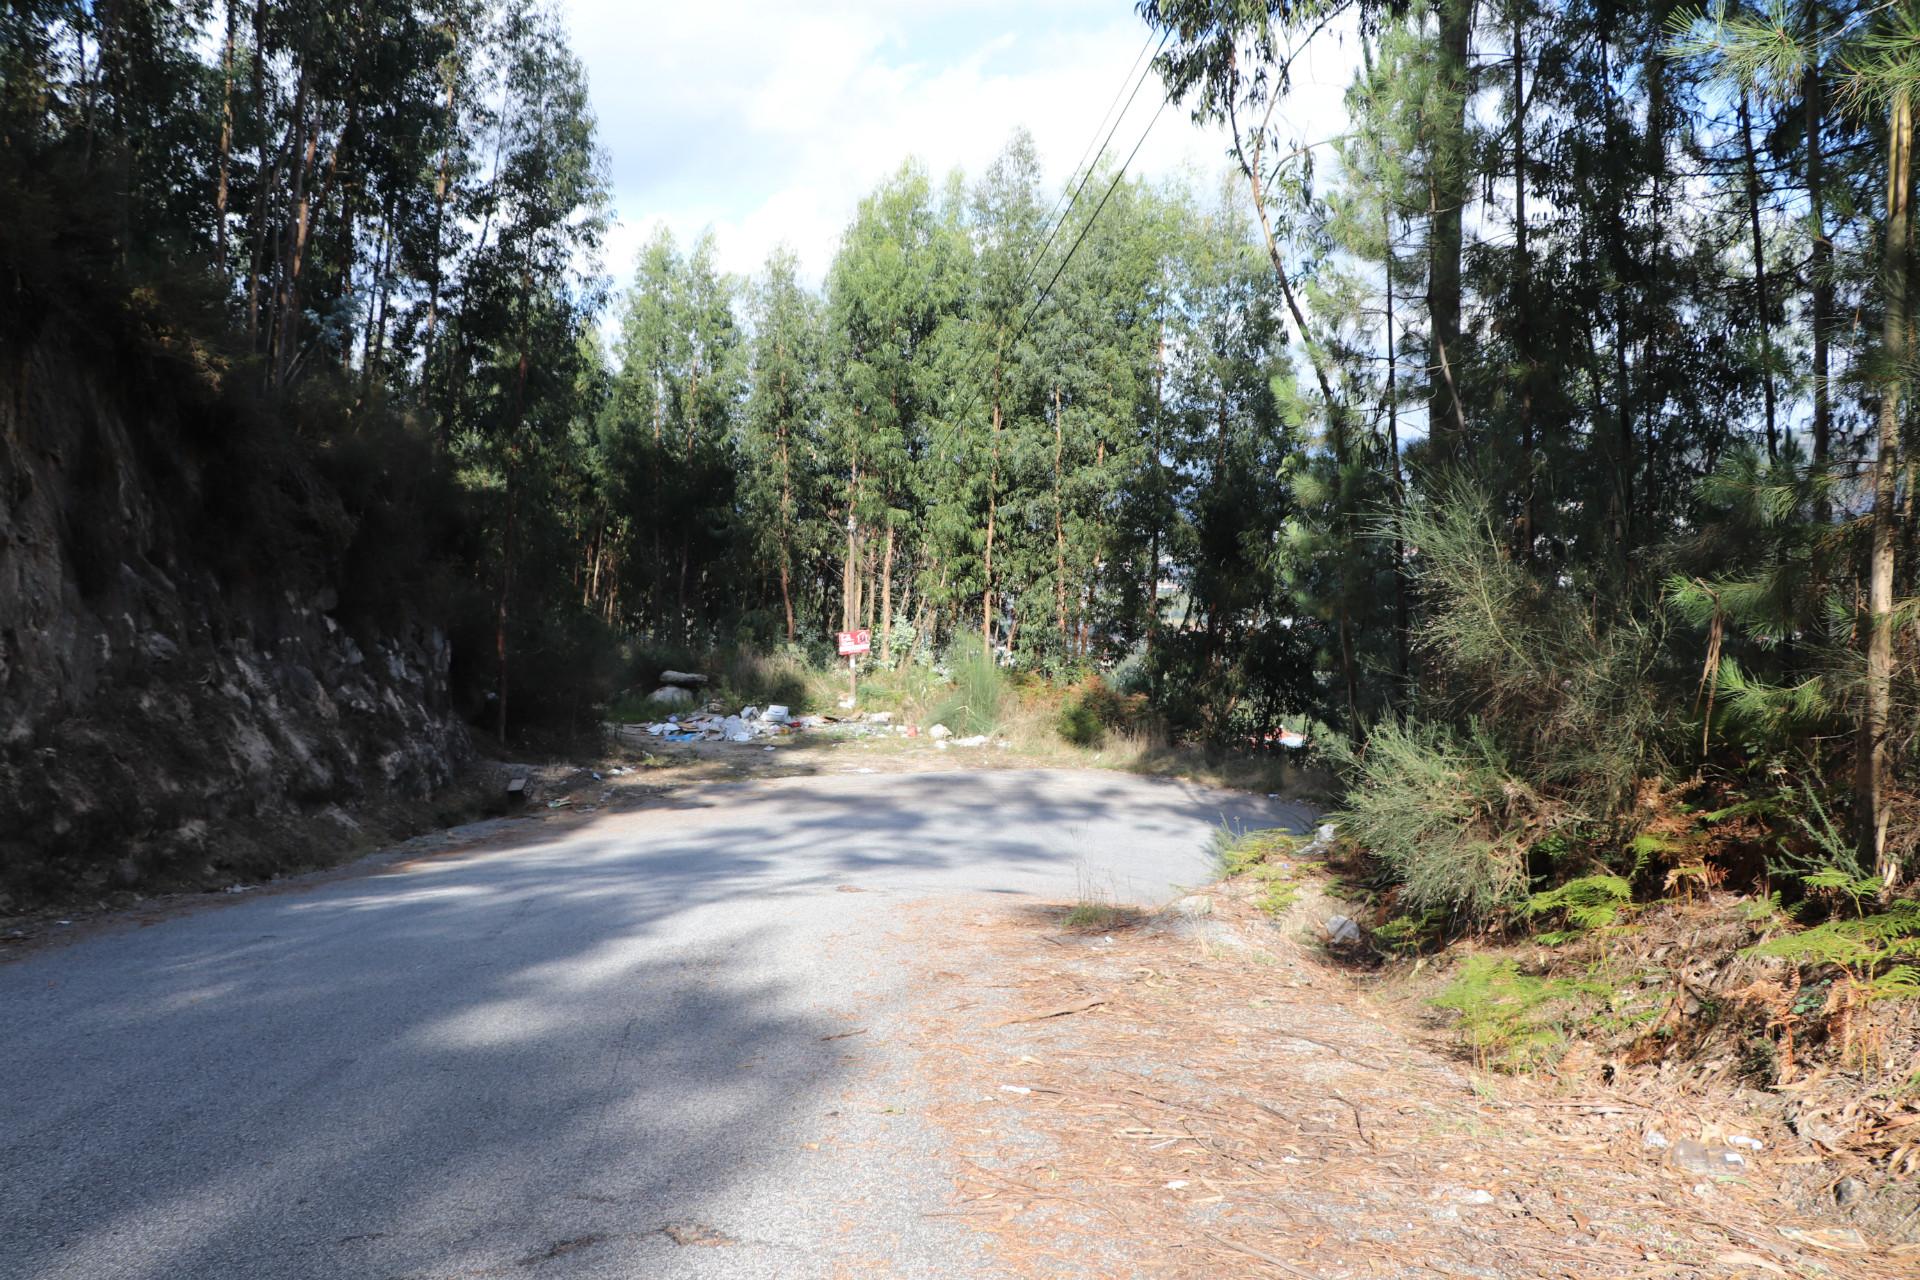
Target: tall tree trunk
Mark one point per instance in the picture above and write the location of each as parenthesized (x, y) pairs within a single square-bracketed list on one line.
[(1153, 536), (1401, 631), (886, 596), (850, 577), (1762, 310), (1059, 524), (993, 511), (1522, 322), (226, 144), (265, 176), (786, 512), (1821, 267), (500, 609), (1447, 190), (434, 272), (1873, 762), (306, 140)]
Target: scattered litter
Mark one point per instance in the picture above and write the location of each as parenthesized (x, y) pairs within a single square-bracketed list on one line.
[(1014, 1088), (561, 803), (1342, 931), (1178, 1184), (766, 748), (977, 740), (1696, 1157), (1655, 1139), (1742, 1140), (939, 731)]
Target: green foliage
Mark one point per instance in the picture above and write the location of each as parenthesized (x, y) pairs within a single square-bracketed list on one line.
[(1871, 949), (1092, 709), (980, 689), (1513, 1021), (1588, 902), (1446, 814), (1563, 688), (1080, 723), (1243, 852)]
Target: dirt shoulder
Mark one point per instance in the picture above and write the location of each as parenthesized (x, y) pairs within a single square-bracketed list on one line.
[(1203, 1094)]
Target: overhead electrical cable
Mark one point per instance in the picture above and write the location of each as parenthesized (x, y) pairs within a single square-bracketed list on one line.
[(1083, 166)]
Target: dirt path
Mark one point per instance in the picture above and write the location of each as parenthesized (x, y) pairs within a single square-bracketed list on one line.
[(1210, 1098)]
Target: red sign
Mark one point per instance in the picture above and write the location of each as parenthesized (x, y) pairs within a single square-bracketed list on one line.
[(852, 642)]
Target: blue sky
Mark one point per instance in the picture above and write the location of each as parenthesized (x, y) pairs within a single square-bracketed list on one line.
[(768, 121)]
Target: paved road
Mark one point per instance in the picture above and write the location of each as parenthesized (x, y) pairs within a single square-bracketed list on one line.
[(592, 1050)]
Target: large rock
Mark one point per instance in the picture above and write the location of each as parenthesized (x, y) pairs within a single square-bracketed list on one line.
[(682, 678), (668, 695)]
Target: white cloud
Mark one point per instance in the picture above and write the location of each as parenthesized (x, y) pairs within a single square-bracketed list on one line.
[(768, 121)]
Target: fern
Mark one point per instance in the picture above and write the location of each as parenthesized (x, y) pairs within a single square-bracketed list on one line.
[(1513, 1021), (1589, 902)]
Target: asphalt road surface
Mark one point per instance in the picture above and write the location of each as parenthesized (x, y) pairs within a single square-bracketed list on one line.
[(658, 1043)]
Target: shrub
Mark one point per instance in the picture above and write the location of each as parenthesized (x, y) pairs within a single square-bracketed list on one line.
[(1093, 709), (979, 691), (1446, 814), (1080, 723)]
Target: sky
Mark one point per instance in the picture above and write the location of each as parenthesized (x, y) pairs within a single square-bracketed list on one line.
[(768, 120)]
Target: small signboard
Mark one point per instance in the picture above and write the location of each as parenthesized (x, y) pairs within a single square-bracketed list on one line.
[(853, 642)]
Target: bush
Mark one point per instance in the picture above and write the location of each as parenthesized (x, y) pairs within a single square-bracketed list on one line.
[(1080, 723), (1446, 815), (1093, 709)]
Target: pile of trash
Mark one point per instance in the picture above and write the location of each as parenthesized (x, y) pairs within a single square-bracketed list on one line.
[(711, 726), (751, 724), (713, 723)]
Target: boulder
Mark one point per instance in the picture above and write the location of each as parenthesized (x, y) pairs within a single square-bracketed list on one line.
[(670, 696), (682, 678)]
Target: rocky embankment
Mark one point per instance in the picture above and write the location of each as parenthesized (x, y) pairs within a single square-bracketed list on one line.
[(182, 699)]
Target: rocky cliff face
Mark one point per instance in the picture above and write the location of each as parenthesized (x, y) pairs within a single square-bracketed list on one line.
[(180, 698)]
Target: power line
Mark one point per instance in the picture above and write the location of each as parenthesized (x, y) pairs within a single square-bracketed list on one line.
[(1074, 248), (1082, 166), (1093, 218)]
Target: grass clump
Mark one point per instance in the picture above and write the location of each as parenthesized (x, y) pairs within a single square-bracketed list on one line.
[(979, 694), (1098, 916), (1262, 855)]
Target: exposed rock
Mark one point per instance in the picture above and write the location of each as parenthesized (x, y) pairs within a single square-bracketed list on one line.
[(668, 695), (171, 708), (682, 678)]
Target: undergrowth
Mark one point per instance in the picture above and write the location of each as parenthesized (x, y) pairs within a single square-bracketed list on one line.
[(1511, 1020)]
